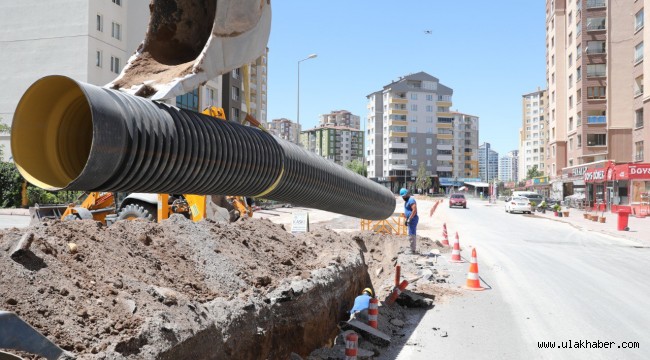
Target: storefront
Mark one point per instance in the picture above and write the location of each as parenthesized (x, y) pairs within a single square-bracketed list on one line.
[(599, 186), (540, 185), (631, 188)]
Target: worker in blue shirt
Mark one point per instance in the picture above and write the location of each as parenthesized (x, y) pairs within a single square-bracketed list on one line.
[(411, 214), (361, 304)]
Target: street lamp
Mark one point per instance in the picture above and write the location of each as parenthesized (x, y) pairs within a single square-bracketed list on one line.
[(307, 58)]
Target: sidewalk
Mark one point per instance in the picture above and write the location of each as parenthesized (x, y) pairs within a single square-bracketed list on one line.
[(24, 212), (639, 227)]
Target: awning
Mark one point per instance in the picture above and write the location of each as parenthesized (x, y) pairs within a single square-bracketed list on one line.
[(477, 184), (462, 188)]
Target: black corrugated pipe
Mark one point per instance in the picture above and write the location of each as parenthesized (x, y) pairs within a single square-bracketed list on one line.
[(75, 136)]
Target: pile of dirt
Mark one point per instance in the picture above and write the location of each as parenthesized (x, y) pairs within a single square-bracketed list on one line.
[(181, 289)]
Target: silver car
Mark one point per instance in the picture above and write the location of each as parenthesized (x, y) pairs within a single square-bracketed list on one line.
[(518, 203)]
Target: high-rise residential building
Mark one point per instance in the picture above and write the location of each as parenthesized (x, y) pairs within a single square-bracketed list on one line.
[(89, 41), (595, 76), (409, 123), (336, 143), (488, 163), (342, 118), (246, 87), (532, 135), (465, 149), (508, 166), (285, 129)]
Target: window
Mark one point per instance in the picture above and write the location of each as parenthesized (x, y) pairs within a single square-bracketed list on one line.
[(570, 81), (429, 119), (429, 151), (414, 107), (234, 114), (638, 86), (578, 119), (118, 2), (596, 139), (189, 101), (638, 115), (412, 140), (638, 20), (579, 141), (116, 31), (429, 141), (414, 151), (638, 52), (100, 22), (596, 70), (571, 102), (596, 92), (413, 129), (429, 97), (570, 59), (570, 17), (429, 108), (578, 27), (638, 151), (571, 143), (115, 64), (236, 74), (578, 96), (414, 162), (578, 51), (235, 93), (414, 96), (579, 73), (570, 38), (596, 23), (595, 47), (553, 78), (98, 58), (570, 123), (414, 119)]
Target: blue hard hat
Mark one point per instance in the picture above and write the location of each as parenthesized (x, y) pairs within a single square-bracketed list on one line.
[(403, 192)]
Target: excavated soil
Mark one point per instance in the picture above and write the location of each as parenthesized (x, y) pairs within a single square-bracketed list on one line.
[(180, 289)]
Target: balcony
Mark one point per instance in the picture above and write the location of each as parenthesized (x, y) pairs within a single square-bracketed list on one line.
[(398, 145), (597, 119), (444, 103), (398, 134), (398, 101), (394, 156), (595, 4), (397, 112)]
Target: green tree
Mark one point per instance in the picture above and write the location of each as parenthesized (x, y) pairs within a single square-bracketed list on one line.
[(533, 172), (4, 128), (422, 181), (358, 167)]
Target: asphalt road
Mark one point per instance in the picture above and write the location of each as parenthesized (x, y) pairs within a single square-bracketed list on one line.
[(9, 221), (547, 282)]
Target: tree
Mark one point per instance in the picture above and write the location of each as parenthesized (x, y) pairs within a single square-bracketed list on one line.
[(422, 181), (533, 172), (4, 128), (358, 167)]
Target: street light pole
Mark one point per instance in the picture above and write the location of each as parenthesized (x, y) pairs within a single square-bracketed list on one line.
[(298, 102)]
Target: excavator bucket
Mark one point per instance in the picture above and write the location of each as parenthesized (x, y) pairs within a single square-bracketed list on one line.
[(189, 42)]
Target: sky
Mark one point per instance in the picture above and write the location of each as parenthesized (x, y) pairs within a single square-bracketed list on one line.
[(489, 52)]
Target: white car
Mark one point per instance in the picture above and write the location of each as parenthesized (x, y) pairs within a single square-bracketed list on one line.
[(518, 203)]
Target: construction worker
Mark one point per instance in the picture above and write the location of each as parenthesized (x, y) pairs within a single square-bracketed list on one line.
[(361, 304), (411, 214)]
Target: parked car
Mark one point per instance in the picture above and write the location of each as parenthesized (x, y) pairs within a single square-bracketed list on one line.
[(458, 200), (520, 204)]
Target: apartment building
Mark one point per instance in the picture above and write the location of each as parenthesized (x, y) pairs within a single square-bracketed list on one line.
[(508, 167), (336, 143), (244, 91), (532, 134), (89, 41), (409, 122), (488, 162), (465, 149), (285, 129), (595, 71), (340, 118)]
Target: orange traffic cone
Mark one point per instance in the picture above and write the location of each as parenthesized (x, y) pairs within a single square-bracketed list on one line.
[(445, 239), (473, 282), (455, 252)]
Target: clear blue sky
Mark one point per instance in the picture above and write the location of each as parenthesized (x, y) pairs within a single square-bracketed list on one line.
[(489, 52)]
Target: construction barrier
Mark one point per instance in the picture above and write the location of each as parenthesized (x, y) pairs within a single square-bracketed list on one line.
[(473, 281), (394, 225), (351, 346), (398, 274), (396, 291), (455, 253), (373, 312), (445, 238)]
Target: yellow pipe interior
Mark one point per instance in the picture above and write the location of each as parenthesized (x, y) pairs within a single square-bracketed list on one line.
[(52, 133)]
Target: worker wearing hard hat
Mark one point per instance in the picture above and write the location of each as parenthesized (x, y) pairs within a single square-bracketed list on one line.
[(361, 304), (411, 214)]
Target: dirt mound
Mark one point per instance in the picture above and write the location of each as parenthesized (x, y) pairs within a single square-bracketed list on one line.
[(144, 290)]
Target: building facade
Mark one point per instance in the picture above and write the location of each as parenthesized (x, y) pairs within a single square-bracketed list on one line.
[(532, 134), (89, 41), (508, 167), (336, 143), (595, 76), (465, 150), (285, 129), (342, 118), (488, 163), (243, 91), (409, 123)]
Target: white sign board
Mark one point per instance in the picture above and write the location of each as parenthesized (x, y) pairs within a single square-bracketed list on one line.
[(300, 222)]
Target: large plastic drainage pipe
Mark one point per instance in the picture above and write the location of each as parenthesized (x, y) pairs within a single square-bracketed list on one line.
[(75, 136)]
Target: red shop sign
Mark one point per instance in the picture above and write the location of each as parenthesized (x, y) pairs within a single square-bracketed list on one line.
[(595, 175), (632, 171)]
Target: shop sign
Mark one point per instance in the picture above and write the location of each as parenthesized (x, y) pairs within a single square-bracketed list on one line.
[(640, 171), (595, 175)]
